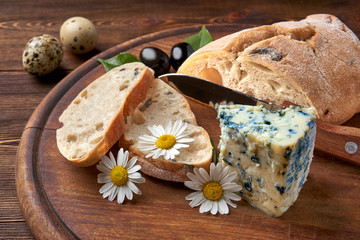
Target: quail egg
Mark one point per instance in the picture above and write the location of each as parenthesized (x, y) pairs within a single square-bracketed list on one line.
[(42, 55), (79, 35)]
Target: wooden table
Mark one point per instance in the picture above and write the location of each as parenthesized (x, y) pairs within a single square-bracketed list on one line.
[(116, 22)]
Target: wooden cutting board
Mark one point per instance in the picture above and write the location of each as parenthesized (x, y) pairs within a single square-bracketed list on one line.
[(62, 201)]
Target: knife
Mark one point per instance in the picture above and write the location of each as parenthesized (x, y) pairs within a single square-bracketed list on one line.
[(341, 142)]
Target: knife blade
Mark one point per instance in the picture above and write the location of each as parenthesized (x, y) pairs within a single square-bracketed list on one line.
[(212, 93), (333, 140)]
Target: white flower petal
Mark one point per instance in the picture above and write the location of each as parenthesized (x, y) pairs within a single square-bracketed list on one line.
[(173, 152), (148, 139), (133, 187), (128, 193), (193, 185), (229, 202), (108, 163), (167, 154), (153, 131), (103, 174), (182, 132), (106, 187), (151, 154), (103, 169), (160, 130), (185, 140), (104, 179), (112, 158), (217, 172), (113, 194), (180, 128), (198, 174), (180, 145), (204, 175), (107, 193), (206, 206), (231, 187), (175, 129), (193, 178), (232, 196), (212, 172), (121, 195), (134, 169), (134, 175), (147, 149), (192, 195), (157, 130), (131, 163), (214, 208), (228, 178), (223, 208), (125, 160), (138, 180), (225, 171), (157, 153), (121, 158), (104, 158), (198, 200)]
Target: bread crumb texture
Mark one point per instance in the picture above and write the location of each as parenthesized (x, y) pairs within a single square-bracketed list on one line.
[(95, 115)]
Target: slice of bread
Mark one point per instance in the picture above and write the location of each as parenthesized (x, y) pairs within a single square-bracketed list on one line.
[(163, 103), (314, 62), (94, 120)]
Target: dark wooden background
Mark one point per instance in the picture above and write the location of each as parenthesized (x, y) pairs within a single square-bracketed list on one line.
[(116, 22)]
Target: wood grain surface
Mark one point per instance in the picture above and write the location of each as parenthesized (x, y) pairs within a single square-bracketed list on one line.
[(118, 22)]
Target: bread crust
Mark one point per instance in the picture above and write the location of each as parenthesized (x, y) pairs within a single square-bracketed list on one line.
[(116, 128), (320, 58), (166, 170)]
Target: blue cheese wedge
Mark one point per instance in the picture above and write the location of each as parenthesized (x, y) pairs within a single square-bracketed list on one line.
[(270, 150)]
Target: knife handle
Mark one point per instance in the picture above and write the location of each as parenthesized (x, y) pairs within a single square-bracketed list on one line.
[(338, 141)]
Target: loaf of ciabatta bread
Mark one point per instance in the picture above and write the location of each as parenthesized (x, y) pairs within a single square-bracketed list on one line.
[(94, 120), (314, 62), (163, 104)]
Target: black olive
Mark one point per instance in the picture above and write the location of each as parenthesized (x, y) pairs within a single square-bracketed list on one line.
[(179, 53), (155, 59)]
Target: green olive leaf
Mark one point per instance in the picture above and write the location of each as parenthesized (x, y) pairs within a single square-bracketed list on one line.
[(118, 60), (199, 39)]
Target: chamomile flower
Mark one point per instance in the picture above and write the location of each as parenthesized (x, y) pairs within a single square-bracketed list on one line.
[(165, 141), (214, 191), (119, 176)]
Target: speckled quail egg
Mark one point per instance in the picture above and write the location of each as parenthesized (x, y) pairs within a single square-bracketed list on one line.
[(42, 55), (79, 35)]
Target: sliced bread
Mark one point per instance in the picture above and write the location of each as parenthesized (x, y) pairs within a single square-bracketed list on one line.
[(94, 120), (314, 62), (163, 104)]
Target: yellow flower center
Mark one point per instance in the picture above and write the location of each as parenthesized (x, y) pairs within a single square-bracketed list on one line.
[(213, 191), (119, 175), (166, 141)]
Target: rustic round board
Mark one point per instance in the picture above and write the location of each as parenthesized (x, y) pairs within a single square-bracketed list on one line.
[(62, 201)]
